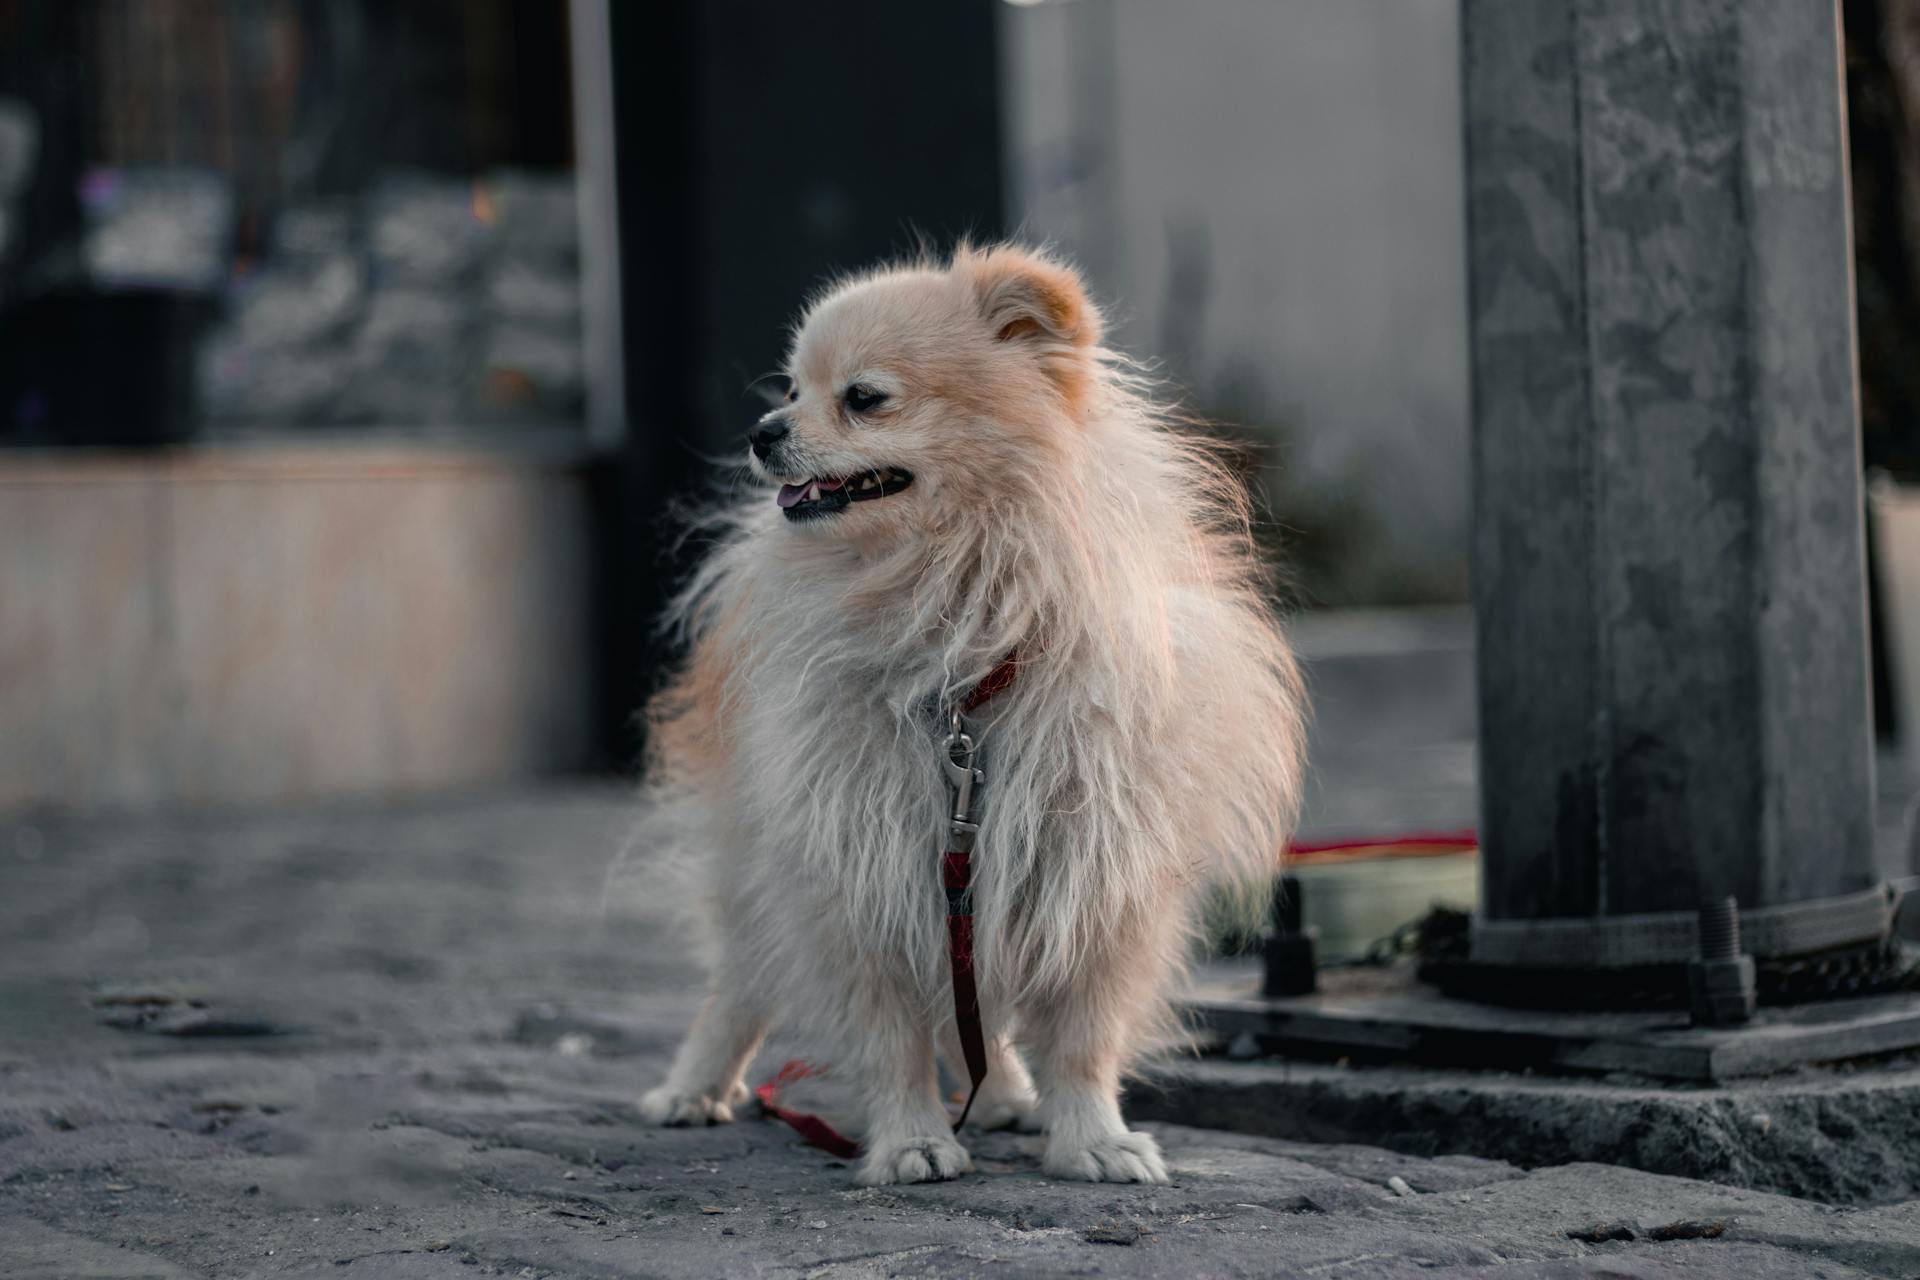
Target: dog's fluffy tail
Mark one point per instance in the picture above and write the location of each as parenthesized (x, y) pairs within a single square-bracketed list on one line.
[(657, 873)]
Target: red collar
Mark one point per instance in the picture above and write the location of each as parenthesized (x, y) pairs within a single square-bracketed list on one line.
[(996, 681)]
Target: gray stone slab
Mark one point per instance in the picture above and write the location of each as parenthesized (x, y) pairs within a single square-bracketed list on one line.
[(1845, 1137), (1418, 1024)]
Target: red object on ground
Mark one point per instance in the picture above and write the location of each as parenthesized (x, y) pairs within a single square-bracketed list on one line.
[(816, 1131)]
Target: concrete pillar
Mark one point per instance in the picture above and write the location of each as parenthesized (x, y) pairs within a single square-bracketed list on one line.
[(1668, 566)]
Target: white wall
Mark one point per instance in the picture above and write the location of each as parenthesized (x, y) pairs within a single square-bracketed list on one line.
[(1307, 154), (222, 627)]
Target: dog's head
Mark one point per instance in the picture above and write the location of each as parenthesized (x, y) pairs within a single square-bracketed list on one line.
[(921, 392)]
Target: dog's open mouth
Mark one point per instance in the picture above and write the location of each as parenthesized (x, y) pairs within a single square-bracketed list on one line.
[(821, 497)]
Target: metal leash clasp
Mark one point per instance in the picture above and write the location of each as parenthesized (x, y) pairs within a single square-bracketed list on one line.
[(963, 780)]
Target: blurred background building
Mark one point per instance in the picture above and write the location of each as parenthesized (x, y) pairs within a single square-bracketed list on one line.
[(292, 379), (1270, 197), (353, 352)]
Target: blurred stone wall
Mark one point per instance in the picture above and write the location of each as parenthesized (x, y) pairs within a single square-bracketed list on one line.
[(430, 302), (376, 200)]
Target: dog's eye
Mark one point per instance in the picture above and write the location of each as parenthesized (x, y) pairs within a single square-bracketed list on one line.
[(861, 399), (793, 393)]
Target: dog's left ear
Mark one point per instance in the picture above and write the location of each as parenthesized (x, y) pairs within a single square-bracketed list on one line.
[(1030, 300)]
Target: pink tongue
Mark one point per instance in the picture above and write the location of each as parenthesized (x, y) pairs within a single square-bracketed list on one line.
[(790, 494)]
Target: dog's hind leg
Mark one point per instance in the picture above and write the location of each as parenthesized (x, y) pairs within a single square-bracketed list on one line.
[(706, 1080), (1007, 1099)]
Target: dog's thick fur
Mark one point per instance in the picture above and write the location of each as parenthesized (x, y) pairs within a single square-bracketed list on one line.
[(1151, 744)]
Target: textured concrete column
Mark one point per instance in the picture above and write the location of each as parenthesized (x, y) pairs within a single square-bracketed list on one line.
[(1668, 565)]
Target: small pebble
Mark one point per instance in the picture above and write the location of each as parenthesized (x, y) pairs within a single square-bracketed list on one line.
[(1761, 1121), (1399, 1186), (818, 1226)]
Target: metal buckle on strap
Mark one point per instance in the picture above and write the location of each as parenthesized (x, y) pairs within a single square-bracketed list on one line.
[(963, 782)]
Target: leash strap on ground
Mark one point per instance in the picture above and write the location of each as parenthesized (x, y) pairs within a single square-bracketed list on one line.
[(956, 874), (816, 1132)]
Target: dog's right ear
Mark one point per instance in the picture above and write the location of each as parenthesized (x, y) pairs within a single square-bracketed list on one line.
[(1028, 299)]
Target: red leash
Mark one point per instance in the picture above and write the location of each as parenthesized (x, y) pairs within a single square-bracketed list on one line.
[(956, 874), (817, 1132), (1413, 842)]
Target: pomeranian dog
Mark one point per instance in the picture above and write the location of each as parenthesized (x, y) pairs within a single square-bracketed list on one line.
[(964, 483)]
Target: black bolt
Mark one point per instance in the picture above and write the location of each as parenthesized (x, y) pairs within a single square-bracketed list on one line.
[(1720, 984), (1291, 967), (1720, 929), (1286, 906)]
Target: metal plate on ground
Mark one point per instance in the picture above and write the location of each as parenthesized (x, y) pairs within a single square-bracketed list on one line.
[(1366, 1018)]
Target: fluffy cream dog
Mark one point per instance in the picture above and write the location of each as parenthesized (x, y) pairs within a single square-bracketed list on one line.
[(966, 473)]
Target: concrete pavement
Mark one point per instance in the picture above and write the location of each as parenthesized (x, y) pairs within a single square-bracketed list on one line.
[(408, 1042)]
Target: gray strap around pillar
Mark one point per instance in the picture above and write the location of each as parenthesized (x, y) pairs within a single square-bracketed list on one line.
[(1668, 565)]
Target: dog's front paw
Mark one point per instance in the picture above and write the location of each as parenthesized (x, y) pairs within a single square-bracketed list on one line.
[(928, 1159), (1118, 1157), (670, 1106)]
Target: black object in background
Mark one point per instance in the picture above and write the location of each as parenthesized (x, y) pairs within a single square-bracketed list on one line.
[(761, 147), (87, 368)]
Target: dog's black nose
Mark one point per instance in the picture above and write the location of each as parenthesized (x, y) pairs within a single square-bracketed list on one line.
[(767, 435)]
